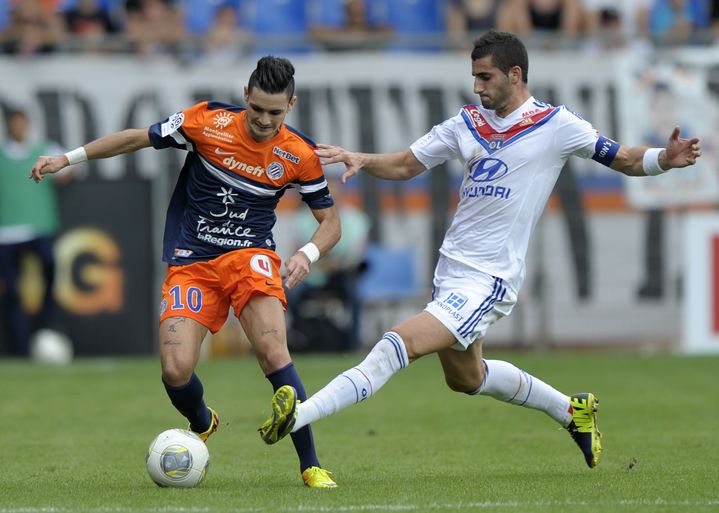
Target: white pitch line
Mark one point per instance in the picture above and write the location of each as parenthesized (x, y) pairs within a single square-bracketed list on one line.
[(376, 507)]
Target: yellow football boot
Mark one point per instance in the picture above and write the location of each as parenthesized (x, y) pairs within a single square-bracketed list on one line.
[(584, 428)]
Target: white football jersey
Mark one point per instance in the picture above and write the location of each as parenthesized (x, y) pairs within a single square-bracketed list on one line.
[(510, 167)]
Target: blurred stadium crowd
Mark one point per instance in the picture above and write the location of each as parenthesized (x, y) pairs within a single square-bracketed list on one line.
[(225, 30)]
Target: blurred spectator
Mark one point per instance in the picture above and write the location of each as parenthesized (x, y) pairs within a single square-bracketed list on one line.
[(154, 27), (678, 21), (90, 24), (225, 41), (348, 28), (33, 28), (617, 23), (469, 18), (314, 324), (545, 18), (29, 220)]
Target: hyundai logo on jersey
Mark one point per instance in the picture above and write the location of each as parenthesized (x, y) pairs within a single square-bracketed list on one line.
[(488, 170)]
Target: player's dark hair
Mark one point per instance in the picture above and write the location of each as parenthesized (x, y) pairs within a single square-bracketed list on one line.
[(273, 75), (506, 50)]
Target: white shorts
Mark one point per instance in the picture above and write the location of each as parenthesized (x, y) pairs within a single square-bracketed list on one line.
[(467, 301)]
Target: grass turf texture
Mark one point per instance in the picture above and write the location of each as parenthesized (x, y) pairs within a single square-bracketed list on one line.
[(74, 440)]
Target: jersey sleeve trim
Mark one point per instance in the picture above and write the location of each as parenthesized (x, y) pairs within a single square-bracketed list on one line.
[(318, 199), (215, 105), (302, 136), (168, 133)]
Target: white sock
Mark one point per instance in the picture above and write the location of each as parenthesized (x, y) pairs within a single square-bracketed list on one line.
[(387, 357), (510, 384)]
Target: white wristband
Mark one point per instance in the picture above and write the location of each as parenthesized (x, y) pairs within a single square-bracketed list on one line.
[(311, 251), (650, 163), (76, 156)]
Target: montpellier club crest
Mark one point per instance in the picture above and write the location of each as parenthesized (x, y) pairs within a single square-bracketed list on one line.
[(275, 170)]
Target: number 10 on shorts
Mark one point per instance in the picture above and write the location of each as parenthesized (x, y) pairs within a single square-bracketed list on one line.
[(191, 299)]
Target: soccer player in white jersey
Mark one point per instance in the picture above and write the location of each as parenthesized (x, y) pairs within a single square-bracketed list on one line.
[(513, 148)]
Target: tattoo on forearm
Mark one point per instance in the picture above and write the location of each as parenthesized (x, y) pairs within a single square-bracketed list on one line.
[(170, 343), (271, 331)]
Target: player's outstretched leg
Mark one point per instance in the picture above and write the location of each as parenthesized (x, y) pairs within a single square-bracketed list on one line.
[(584, 428), (577, 413), (354, 385)]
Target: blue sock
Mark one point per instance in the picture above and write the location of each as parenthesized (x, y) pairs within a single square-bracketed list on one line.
[(302, 439), (188, 401)]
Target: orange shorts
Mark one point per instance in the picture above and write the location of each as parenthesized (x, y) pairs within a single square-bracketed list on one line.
[(204, 291)]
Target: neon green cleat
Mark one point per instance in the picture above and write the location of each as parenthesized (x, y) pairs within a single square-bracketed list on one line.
[(584, 428), (214, 424), (316, 477), (284, 414)]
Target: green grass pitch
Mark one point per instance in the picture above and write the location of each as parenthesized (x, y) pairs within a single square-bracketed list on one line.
[(74, 440)]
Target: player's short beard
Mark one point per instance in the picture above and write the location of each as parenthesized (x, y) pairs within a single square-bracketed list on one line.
[(499, 100)]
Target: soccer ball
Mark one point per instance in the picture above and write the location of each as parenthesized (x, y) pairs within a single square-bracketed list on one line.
[(177, 458), (52, 347)]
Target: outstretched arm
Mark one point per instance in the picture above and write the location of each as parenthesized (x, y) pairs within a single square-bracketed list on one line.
[(638, 161), (388, 166), (110, 145)]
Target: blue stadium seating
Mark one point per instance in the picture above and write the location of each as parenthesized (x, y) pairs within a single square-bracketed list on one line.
[(106, 5), (4, 13), (328, 13), (391, 274), (200, 14), (414, 20), (281, 26)]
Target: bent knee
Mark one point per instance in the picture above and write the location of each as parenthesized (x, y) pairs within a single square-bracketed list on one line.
[(465, 384), (175, 372), (273, 358)]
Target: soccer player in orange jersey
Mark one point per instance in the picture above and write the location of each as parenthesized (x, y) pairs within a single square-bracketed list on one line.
[(218, 240)]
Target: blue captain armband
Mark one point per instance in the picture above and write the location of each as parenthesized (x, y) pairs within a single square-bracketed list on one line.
[(605, 150)]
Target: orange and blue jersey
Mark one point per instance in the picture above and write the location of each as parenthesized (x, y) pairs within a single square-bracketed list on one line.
[(230, 184)]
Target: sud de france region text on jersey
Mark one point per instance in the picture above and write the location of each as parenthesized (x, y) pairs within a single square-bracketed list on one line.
[(511, 165), (230, 184)]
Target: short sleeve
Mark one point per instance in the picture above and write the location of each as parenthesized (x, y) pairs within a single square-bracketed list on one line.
[(176, 130), (313, 186), (575, 136), (439, 144)]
